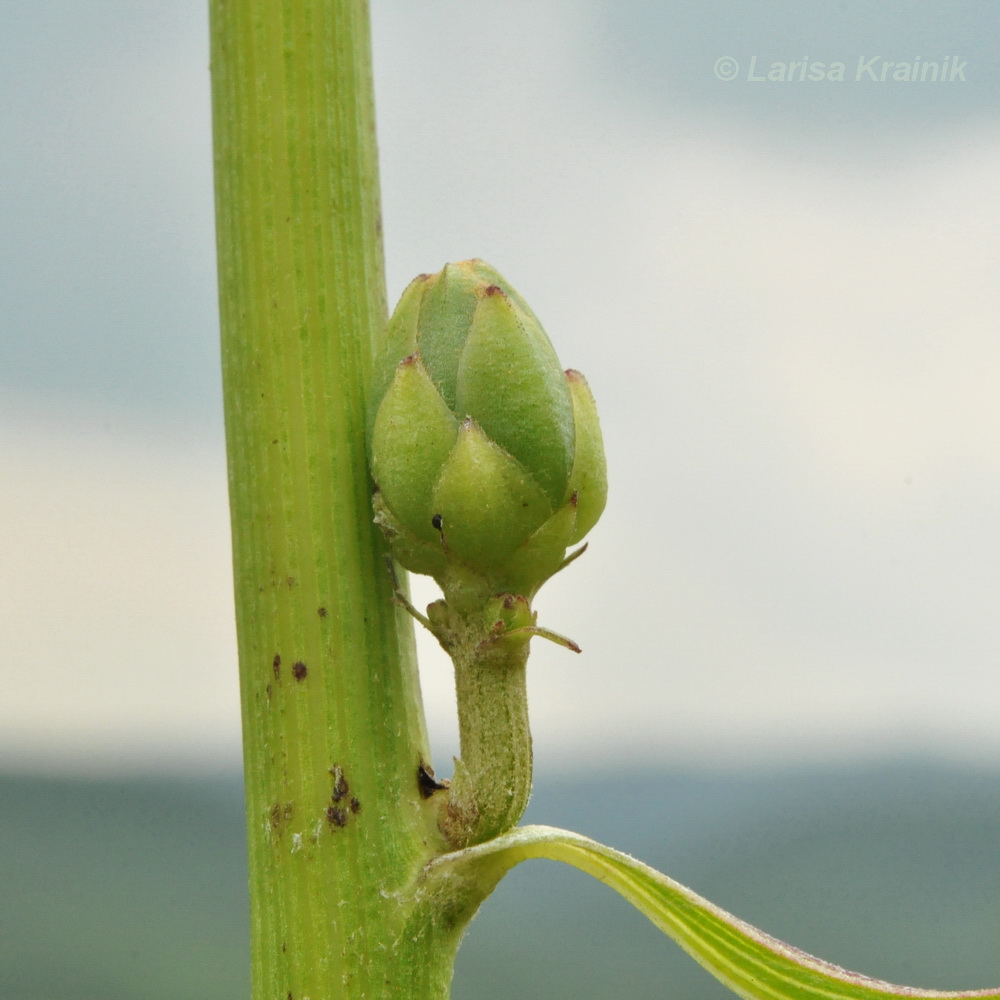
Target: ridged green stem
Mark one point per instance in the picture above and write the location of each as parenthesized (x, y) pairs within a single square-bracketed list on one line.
[(333, 729)]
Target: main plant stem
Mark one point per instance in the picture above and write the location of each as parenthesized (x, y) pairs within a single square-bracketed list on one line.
[(332, 723)]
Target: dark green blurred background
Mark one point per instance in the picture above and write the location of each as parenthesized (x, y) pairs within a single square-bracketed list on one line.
[(136, 888)]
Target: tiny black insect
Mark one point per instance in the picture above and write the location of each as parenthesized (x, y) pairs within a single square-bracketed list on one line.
[(426, 781)]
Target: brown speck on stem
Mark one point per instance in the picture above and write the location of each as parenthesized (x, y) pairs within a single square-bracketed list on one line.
[(276, 665), (493, 290), (336, 816), (355, 806), (322, 611), (436, 522), (340, 786), (299, 670), (279, 815)]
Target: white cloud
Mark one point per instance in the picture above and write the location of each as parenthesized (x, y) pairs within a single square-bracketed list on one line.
[(115, 602), (795, 360)]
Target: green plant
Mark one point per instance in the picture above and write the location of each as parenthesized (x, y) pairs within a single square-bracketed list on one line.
[(364, 869)]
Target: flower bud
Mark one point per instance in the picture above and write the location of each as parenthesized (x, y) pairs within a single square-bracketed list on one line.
[(487, 457)]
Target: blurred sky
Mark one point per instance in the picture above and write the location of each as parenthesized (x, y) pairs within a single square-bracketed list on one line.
[(784, 295)]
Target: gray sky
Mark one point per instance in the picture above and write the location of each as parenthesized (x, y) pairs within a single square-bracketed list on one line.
[(783, 294)]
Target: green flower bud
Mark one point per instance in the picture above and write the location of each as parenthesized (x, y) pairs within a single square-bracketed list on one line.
[(487, 455)]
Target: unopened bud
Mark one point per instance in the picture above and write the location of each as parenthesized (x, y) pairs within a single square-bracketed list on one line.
[(487, 456)]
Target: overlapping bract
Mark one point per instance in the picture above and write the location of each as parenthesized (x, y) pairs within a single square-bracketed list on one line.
[(487, 456)]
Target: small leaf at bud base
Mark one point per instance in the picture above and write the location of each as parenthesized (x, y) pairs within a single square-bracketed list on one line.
[(509, 611)]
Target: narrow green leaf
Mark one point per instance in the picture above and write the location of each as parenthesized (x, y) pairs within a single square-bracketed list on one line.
[(748, 961)]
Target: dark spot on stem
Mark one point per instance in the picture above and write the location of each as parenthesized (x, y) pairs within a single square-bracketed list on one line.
[(426, 781), (321, 612), (437, 521), (279, 816), (336, 816), (355, 806), (276, 665), (493, 290), (299, 670), (340, 786)]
